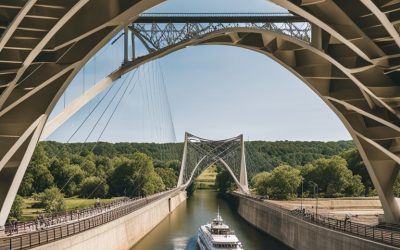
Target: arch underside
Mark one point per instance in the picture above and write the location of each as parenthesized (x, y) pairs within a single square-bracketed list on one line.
[(351, 63)]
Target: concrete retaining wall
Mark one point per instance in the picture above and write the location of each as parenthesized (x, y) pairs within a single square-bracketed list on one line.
[(122, 233), (297, 233)]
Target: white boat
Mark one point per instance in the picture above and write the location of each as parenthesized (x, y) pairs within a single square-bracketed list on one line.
[(217, 235)]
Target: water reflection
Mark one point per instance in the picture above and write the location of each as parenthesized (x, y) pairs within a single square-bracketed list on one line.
[(179, 230)]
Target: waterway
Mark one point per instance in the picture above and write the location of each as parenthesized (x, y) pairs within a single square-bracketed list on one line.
[(179, 230)]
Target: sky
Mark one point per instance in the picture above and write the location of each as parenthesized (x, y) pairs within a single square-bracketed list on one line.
[(214, 92)]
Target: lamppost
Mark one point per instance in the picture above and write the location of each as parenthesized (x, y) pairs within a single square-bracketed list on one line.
[(315, 195), (301, 201)]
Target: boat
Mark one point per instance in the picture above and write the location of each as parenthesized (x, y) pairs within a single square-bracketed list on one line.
[(217, 235)]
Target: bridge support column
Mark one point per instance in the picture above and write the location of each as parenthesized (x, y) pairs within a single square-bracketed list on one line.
[(243, 168), (183, 166)]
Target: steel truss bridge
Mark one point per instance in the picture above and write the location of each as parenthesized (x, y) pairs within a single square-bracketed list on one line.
[(347, 52)]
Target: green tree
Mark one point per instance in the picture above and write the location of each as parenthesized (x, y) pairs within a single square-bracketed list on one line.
[(134, 177), (261, 183), (284, 182), (16, 209), (93, 186), (224, 182), (168, 176), (357, 166), (52, 200), (333, 177)]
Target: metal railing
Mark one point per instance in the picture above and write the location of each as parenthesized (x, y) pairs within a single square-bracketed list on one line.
[(60, 231), (375, 233)]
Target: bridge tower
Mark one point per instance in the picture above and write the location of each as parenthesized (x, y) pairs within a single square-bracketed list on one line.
[(200, 153)]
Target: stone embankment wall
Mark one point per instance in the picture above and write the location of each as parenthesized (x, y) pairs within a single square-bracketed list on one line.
[(297, 233), (122, 233)]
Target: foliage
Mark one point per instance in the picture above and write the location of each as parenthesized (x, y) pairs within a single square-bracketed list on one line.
[(356, 165), (224, 182), (135, 177), (16, 209), (77, 168), (168, 176), (281, 183), (52, 200), (333, 177), (261, 183), (93, 187)]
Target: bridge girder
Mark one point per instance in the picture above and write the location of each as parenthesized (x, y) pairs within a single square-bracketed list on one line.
[(351, 63)]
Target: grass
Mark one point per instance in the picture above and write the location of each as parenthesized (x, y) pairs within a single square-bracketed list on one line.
[(206, 180), (30, 213)]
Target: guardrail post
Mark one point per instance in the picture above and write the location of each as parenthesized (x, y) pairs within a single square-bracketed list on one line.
[(47, 235), (373, 233), (30, 240), (20, 242), (391, 238)]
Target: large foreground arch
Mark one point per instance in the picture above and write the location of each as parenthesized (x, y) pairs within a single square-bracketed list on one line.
[(336, 76), (352, 64)]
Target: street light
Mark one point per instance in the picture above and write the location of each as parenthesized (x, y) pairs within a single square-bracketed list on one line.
[(301, 201), (315, 195)]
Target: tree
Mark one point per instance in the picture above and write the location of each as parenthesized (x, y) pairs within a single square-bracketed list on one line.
[(168, 176), (284, 182), (52, 200), (333, 177), (357, 166), (16, 209), (93, 186), (224, 182), (89, 167), (261, 182), (68, 177), (42, 177), (153, 184), (135, 177)]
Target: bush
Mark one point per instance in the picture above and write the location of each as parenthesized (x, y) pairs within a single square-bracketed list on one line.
[(16, 209), (52, 200)]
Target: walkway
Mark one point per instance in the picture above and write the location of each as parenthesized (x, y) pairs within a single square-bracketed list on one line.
[(33, 234)]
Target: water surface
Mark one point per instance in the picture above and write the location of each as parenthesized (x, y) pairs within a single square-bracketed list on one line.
[(179, 230)]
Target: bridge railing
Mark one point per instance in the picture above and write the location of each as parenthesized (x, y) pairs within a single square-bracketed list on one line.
[(54, 233), (374, 233)]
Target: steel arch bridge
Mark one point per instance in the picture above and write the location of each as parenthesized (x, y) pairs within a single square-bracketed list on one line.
[(200, 153), (351, 61)]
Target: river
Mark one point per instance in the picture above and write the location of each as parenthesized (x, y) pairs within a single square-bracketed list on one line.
[(179, 230)]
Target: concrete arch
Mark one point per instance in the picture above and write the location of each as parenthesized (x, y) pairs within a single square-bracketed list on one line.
[(350, 64), (373, 126)]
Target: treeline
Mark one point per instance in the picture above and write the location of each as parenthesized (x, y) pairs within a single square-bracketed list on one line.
[(342, 175), (131, 169), (105, 171)]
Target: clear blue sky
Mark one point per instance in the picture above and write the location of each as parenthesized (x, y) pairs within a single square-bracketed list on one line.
[(216, 92)]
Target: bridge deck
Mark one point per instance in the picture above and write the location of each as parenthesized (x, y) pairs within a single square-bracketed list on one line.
[(45, 234), (219, 18)]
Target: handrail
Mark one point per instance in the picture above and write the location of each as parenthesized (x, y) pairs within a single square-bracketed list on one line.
[(63, 230), (374, 233)]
